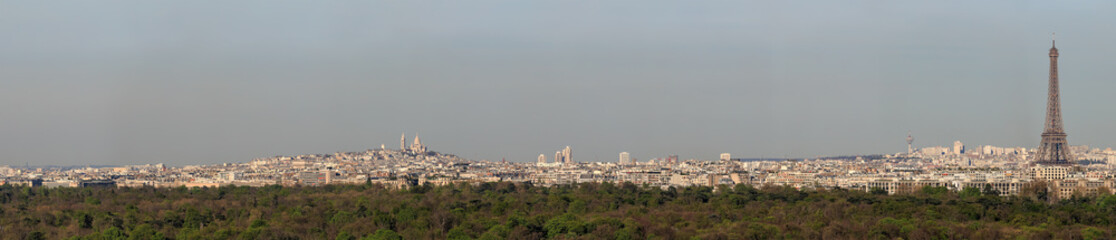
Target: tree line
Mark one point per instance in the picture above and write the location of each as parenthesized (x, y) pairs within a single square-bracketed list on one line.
[(503, 210)]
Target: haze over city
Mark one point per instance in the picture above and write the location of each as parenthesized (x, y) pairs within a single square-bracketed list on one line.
[(213, 82)]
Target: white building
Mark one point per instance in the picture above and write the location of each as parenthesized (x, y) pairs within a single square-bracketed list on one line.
[(565, 156)]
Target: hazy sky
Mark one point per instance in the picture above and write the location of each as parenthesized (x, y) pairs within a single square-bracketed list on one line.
[(199, 82)]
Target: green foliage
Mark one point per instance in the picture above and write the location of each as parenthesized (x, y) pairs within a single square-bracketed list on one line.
[(1090, 233), (145, 232), (563, 224), (893, 228), (523, 211), (92, 201), (577, 207), (35, 235), (878, 191), (383, 234), (457, 233), (111, 233), (934, 191), (970, 192), (258, 223), (342, 217), (496, 232), (1107, 203), (345, 236)]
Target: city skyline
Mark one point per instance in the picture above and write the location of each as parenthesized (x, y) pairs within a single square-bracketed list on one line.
[(1000, 171), (117, 84)]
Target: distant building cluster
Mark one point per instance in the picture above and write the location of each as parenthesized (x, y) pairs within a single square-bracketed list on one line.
[(1006, 170), (564, 156)]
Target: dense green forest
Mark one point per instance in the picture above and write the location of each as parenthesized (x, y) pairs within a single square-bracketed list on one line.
[(522, 211)]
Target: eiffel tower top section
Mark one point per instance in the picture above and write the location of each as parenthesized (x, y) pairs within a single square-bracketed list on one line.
[(1053, 99)]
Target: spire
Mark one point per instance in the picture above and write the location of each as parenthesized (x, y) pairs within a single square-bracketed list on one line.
[(910, 139), (1053, 48)]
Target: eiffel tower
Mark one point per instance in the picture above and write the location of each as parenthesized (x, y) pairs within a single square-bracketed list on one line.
[(1054, 150)]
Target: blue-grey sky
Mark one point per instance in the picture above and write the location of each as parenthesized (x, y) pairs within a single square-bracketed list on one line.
[(199, 82)]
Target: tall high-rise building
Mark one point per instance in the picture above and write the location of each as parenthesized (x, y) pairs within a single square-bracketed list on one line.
[(625, 158), (1054, 149), (567, 155), (403, 142), (958, 147), (542, 158), (558, 157)]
